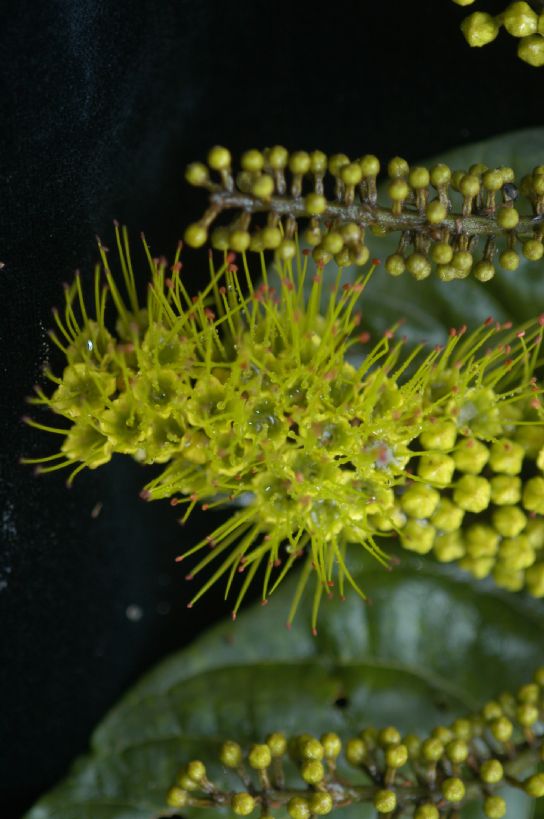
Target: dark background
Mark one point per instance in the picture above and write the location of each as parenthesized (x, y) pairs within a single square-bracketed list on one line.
[(103, 104)]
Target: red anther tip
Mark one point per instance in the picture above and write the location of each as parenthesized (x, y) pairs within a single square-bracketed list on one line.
[(189, 576), (179, 558), (306, 251), (264, 602), (489, 320), (174, 501), (189, 605), (205, 507), (314, 632), (364, 337), (520, 334), (233, 616), (115, 223), (376, 261), (541, 320), (288, 626), (231, 256)]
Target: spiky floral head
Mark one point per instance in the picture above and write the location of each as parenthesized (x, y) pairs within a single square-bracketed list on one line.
[(262, 397)]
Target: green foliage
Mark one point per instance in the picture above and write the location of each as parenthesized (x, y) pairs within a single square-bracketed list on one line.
[(432, 647)]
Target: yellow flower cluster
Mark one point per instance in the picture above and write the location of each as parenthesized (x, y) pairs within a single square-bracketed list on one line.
[(424, 778), (520, 19), (249, 397), (479, 499)]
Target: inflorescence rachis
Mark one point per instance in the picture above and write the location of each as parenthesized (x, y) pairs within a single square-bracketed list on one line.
[(452, 220), (421, 777)]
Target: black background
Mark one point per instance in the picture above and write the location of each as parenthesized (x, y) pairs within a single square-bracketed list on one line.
[(103, 104)]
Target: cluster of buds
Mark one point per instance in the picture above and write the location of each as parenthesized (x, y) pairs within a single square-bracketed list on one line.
[(479, 500), (249, 398), (425, 778), (522, 20), (459, 222)]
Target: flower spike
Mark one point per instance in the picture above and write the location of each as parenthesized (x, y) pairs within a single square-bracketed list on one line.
[(247, 394), (447, 220), (424, 778)]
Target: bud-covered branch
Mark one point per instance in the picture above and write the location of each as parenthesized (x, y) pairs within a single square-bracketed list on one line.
[(409, 776), (451, 220)]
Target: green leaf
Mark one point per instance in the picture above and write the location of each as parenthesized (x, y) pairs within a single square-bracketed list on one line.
[(431, 305), (430, 646)]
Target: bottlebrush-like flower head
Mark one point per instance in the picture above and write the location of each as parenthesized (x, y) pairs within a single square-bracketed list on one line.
[(270, 397)]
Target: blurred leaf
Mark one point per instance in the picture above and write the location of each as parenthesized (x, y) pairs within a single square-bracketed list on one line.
[(430, 646)]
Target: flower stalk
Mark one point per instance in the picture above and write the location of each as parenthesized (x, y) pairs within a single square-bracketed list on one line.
[(449, 220)]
